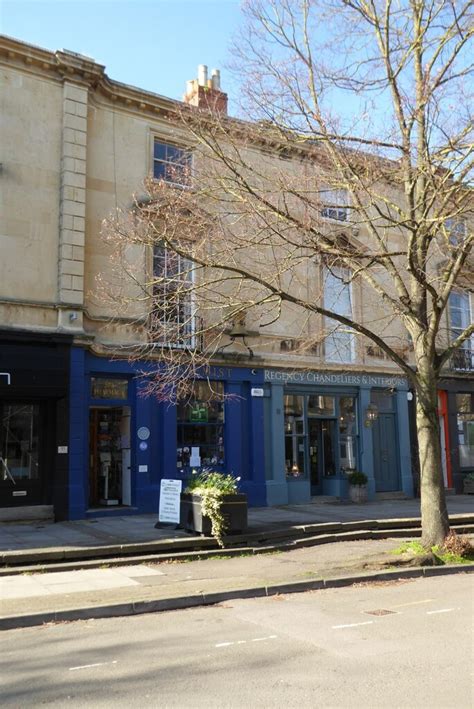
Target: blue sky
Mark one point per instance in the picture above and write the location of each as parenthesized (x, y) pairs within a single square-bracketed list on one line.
[(155, 44)]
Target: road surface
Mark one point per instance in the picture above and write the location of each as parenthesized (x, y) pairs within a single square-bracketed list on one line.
[(403, 644)]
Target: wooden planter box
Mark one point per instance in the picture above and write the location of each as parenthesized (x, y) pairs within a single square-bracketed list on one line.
[(358, 493), (468, 487), (234, 509)]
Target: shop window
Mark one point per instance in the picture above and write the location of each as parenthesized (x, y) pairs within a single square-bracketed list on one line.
[(339, 345), (201, 427), (295, 435), (19, 442), (172, 318), (465, 427), (348, 433)]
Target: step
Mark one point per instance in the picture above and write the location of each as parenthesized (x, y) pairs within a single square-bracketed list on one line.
[(397, 495), (27, 513)]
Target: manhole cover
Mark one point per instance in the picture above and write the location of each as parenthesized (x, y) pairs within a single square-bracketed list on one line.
[(379, 611)]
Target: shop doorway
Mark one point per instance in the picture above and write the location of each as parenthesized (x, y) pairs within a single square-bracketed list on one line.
[(322, 463), (385, 454), (21, 454), (109, 457)]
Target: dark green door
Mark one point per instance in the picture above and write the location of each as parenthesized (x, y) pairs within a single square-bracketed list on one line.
[(385, 454)]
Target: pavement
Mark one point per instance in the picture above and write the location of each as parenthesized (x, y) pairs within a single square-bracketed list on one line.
[(156, 582), (93, 534)]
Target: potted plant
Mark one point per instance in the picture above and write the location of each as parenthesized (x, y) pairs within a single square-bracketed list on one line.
[(357, 486), (468, 484), (212, 505)]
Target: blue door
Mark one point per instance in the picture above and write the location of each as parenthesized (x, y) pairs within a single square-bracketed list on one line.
[(385, 454)]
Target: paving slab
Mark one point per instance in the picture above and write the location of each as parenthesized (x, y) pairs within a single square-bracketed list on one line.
[(71, 537), (37, 598)]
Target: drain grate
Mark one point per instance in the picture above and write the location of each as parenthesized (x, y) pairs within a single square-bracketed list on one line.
[(379, 611)]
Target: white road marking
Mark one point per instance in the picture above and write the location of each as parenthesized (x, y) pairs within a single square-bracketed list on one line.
[(413, 603), (95, 664), (243, 642), (441, 610), (352, 625)]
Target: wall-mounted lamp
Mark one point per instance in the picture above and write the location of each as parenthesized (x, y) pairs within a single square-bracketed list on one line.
[(371, 415), (237, 334)]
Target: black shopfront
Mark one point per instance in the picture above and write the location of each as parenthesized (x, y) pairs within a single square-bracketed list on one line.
[(34, 420)]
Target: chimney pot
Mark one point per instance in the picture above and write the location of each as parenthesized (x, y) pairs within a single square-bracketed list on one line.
[(202, 75), (216, 79)]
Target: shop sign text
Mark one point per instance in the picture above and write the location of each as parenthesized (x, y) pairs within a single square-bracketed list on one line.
[(373, 380)]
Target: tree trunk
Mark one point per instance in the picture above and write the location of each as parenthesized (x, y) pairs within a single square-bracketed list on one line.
[(434, 514)]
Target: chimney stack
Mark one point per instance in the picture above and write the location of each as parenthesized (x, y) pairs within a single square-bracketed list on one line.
[(206, 93)]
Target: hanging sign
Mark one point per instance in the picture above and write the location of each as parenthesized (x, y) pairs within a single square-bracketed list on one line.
[(170, 498)]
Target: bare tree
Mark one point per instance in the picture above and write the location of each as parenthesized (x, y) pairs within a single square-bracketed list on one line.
[(356, 166)]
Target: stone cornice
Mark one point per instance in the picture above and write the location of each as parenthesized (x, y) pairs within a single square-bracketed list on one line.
[(64, 65)]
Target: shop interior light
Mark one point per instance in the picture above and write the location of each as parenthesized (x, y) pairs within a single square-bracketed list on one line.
[(371, 415)]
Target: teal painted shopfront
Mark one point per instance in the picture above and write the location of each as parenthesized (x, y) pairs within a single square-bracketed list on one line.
[(322, 425)]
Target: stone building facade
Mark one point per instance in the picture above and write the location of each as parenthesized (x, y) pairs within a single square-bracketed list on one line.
[(76, 433)]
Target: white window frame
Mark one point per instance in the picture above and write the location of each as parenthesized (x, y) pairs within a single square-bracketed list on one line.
[(343, 279), (330, 201), (468, 344), (187, 163), (184, 267), (456, 228)]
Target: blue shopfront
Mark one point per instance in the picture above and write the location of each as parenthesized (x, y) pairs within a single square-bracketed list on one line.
[(320, 426), (123, 442)]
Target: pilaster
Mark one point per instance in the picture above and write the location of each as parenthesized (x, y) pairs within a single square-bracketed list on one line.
[(72, 203)]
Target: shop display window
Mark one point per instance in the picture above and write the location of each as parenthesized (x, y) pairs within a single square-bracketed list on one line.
[(201, 420), (19, 442), (465, 427), (348, 433), (295, 435)]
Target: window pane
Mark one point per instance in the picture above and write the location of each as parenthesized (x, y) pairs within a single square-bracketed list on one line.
[(159, 170), (339, 347), (295, 456), (293, 405), (160, 150), (19, 442), (319, 405), (382, 399), (347, 415), (465, 426)]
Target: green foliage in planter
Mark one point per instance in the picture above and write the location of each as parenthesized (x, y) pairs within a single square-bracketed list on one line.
[(357, 478), (469, 478), (212, 487)]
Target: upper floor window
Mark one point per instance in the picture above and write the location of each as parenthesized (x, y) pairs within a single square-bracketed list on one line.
[(170, 163), (460, 318), (172, 317), (335, 204), (456, 229), (339, 345)]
